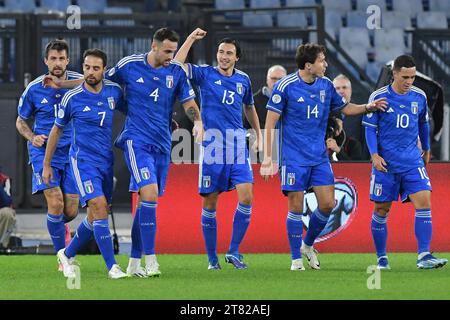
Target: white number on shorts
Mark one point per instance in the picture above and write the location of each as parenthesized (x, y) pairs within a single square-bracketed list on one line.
[(103, 113), (423, 173)]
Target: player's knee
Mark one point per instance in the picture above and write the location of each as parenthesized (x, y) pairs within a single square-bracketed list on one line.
[(382, 212), (99, 208), (246, 199), (55, 205), (327, 207), (210, 202)]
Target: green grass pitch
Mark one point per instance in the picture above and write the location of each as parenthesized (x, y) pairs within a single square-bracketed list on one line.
[(343, 276)]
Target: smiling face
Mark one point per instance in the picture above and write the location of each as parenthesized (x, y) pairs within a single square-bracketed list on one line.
[(226, 56), (93, 70), (404, 79), (57, 62), (164, 51)]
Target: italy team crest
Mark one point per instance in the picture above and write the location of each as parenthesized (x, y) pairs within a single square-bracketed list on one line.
[(169, 81), (207, 181), (88, 186), (111, 103), (378, 190), (145, 173), (414, 107), (239, 88), (291, 179), (322, 96)]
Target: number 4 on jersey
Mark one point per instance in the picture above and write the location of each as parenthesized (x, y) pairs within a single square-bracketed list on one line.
[(155, 94)]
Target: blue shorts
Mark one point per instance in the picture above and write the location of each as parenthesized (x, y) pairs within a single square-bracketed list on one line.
[(219, 177), (92, 182), (301, 178), (146, 166), (386, 187), (63, 178)]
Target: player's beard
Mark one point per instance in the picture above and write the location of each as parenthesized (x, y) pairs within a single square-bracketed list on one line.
[(62, 72), (92, 82)]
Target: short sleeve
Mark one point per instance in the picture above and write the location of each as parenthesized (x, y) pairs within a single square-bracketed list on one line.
[(248, 96), (64, 112), (196, 73), (185, 91), (278, 100), (337, 101), (25, 108), (116, 73), (121, 104)]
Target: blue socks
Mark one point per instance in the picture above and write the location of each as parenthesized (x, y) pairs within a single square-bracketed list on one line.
[(147, 224), (294, 226), (317, 222), (241, 221), (57, 230), (423, 229), (379, 233), (136, 244), (209, 228), (84, 233), (104, 241)]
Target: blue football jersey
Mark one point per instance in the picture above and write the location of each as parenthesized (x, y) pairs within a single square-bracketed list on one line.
[(92, 119), (398, 127), (150, 94), (221, 101), (42, 104), (304, 110)]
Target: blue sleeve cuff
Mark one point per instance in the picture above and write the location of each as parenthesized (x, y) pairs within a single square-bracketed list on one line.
[(371, 140), (424, 135)]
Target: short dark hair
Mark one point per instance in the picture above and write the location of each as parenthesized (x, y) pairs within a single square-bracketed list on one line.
[(96, 53), (234, 42), (58, 45), (308, 53), (166, 33), (404, 61)]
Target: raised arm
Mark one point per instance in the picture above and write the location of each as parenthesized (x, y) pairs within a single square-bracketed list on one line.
[(182, 53), (56, 83)]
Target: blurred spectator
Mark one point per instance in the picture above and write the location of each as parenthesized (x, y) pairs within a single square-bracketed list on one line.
[(7, 213), (352, 125), (274, 74), (340, 146)]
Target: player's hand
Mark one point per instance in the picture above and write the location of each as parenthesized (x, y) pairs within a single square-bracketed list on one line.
[(52, 82), (268, 169), (197, 34), (426, 156), (379, 163), (38, 140), (377, 105), (198, 131), (47, 175), (332, 145)]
